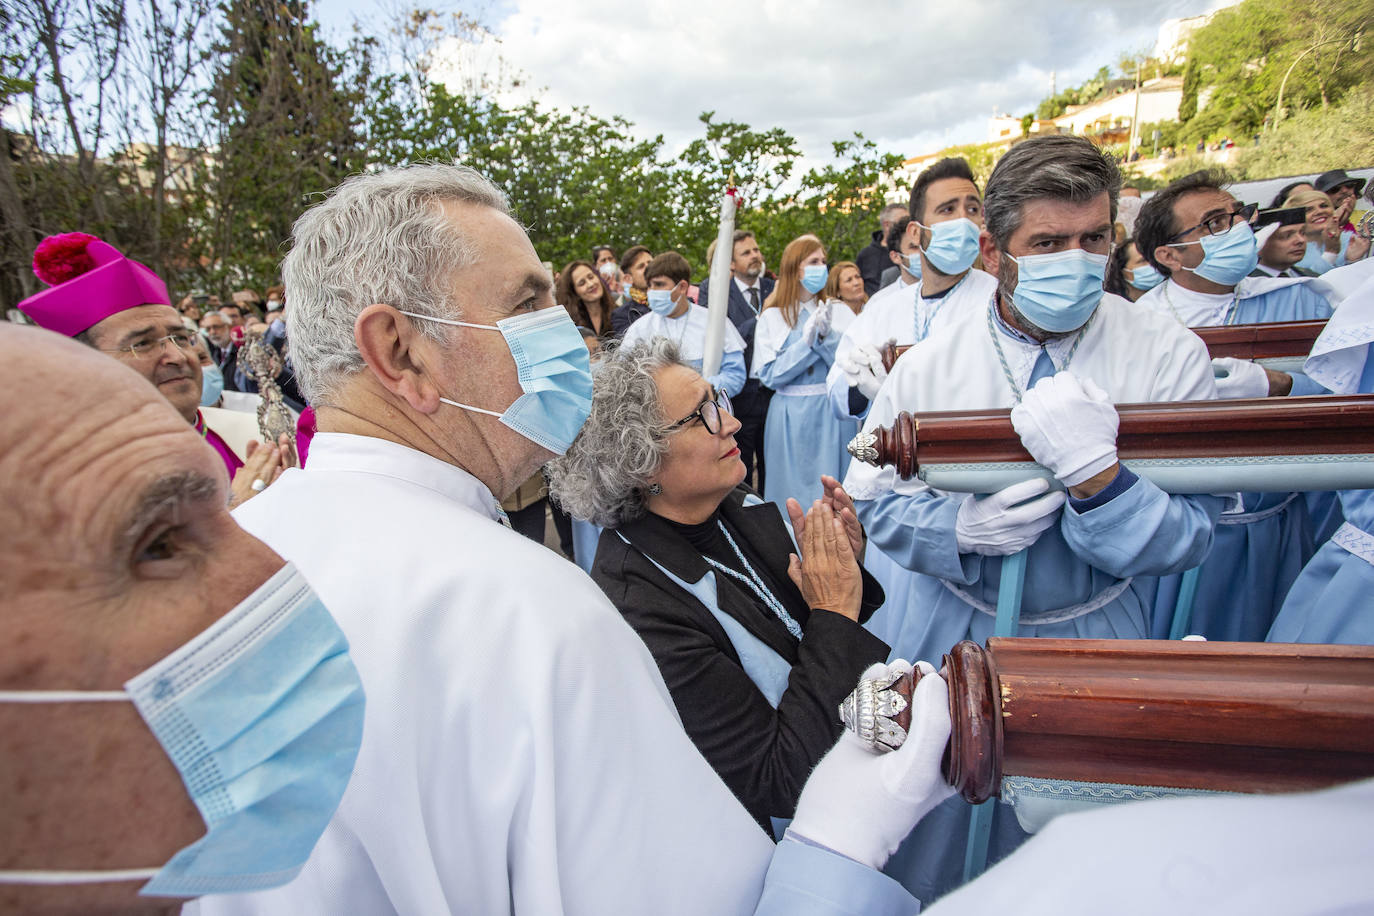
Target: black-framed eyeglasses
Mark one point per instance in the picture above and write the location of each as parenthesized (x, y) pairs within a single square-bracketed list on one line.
[(1222, 222), (709, 413), (145, 348)]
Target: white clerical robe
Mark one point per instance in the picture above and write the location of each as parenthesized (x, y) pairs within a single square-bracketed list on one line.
[(906, 317), (1224, 855), (520, 753)]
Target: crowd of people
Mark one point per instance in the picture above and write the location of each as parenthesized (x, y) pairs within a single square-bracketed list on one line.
[(372, 688)]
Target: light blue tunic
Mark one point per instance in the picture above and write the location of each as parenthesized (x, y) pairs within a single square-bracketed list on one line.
[(1313, 259), (1333, 599), (1258, 551), (802, 437)]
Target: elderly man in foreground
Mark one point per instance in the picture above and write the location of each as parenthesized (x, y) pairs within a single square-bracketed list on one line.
[(520, 752)]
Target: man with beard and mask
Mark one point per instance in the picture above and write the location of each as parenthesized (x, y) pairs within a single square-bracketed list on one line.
[(521, 753), (1051, 345), (1199, 237), (938, 246), (120, 307), (179, 711), (748, 290)]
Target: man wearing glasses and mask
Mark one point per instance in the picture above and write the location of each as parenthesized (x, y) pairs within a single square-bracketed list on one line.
[(1199, 237), (120, 307)]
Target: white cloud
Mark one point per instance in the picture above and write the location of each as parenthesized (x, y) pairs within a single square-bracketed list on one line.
[(911, 74)]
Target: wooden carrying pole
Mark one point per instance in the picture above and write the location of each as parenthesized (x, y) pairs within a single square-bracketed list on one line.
[(1320, 427), (1232, 717), (1277, 340)]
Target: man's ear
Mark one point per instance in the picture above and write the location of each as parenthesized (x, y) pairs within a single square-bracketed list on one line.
[(680, 290), (990, 253), (1169, 256), (396, 355)]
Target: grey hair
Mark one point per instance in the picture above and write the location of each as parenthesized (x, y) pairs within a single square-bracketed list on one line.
[(378, 237), (604, 477), (1056, 167)]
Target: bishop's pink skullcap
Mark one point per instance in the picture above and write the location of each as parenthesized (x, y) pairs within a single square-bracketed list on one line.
[(90, 281)]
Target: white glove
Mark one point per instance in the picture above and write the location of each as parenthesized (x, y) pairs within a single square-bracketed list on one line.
[(862, 804), (1240, 378), (818, 325), (1069, 426), (1003, 523), (863, 367)]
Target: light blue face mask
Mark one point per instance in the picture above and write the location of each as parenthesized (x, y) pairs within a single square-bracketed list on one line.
[(555, 374), (814, 277), (262, 714), (1145, 277), (913, 264), (661, 301), (211, 385), (953, 245), (1059, 292), (1227, 258)]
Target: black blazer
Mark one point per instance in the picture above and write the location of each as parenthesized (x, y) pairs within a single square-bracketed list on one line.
[(763, 754)]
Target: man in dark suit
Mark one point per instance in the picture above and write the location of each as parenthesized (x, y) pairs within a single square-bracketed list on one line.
[(748, 290), (1282, 243)]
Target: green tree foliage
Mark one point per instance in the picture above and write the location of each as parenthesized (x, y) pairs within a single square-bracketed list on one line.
[(1314, 140), (1192, 79), (288, 118), (1242, 57)]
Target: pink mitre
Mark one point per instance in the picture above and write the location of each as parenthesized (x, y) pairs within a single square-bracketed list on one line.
[(90, 281)]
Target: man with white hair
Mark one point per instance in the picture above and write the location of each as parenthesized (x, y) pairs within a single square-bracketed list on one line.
[(521, 753)]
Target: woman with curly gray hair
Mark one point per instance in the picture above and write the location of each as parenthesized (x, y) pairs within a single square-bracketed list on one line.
[(757, 639)]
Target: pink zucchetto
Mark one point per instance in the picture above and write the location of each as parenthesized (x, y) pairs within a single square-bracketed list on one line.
[(90, 281)]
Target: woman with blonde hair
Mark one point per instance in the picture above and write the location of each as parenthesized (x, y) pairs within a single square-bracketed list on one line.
[(846, 284), (1326, 245), (794, 345)]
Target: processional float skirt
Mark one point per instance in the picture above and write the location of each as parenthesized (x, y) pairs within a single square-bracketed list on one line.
[(1253, 445), (1050, 725)]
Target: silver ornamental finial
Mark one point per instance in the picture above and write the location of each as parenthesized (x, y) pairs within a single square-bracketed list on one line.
[(864, 447), (868, 712), (263, 364)]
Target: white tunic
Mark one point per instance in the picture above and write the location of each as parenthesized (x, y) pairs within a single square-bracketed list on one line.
[(520, 751), (687, 331), (906, 318), (1225, 855)]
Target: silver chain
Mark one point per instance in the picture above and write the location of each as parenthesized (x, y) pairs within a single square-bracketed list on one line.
[(756, 584), (1016, 392)]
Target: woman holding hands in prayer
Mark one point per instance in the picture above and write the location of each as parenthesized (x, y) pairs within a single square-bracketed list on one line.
[(757, 639)]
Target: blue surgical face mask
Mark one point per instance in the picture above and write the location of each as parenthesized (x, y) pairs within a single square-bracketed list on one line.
[(814, 277), (555, 375), (913, 264), (953, 245), (1146, 277), (262, 714), (1059, 292), (211, 385), (661, 301), (1227, 258)]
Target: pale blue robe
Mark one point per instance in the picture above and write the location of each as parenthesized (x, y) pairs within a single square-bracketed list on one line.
[(1259, 549), (1091, 575), (1332, 600), (802, 437)]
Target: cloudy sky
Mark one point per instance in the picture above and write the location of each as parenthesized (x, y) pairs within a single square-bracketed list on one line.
[(913, 75)]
